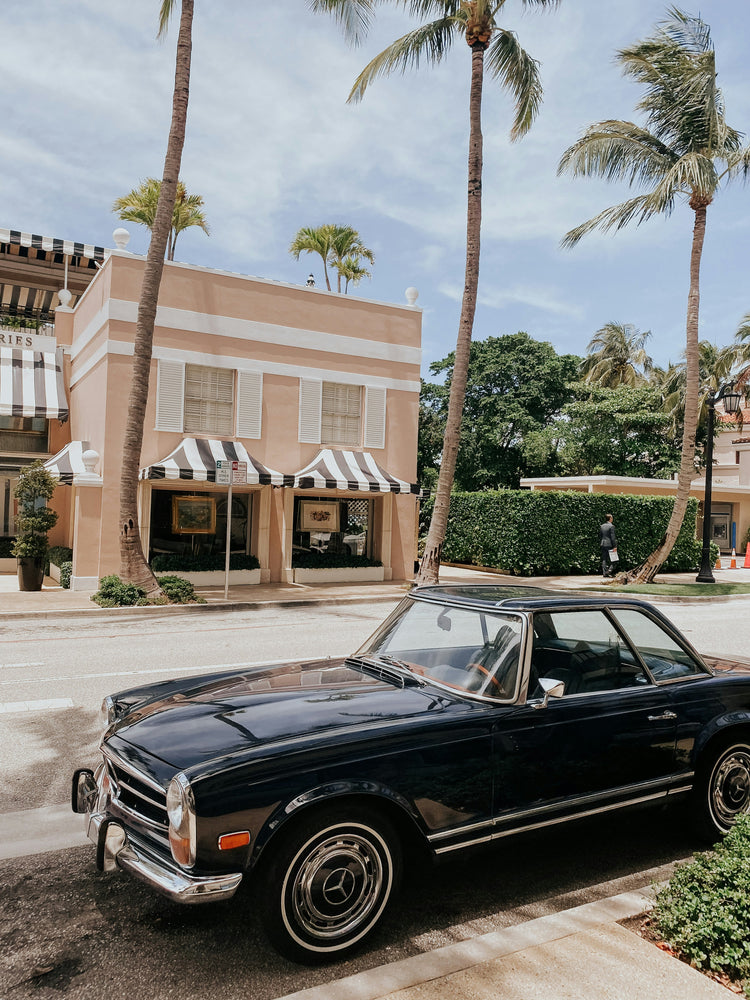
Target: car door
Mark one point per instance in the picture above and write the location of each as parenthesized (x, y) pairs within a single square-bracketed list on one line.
[(608, 740)]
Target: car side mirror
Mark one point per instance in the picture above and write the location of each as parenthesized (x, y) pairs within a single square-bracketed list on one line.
[(552, 689)]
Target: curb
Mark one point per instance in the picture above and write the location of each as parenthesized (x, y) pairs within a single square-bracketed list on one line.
[(177, 609), (434, 965)]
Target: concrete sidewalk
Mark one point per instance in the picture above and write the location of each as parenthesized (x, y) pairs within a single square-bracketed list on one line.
[(53, 601), (580, 954)]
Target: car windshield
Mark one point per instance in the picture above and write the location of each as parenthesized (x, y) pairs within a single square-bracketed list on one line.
[(461, 648)]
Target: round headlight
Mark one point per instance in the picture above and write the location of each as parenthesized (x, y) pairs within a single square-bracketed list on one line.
[(107, 713), (176, 803)]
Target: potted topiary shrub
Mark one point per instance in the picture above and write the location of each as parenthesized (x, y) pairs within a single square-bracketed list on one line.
[(34, 488)]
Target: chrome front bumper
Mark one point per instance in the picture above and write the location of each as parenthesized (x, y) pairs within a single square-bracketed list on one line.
[(115, 848)]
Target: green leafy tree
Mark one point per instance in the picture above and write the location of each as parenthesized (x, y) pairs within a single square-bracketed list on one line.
[(515, 386), (497, 52), (622, 431), (683, 154), (339, 247), (139, 205), (617, 356), (133, 565)]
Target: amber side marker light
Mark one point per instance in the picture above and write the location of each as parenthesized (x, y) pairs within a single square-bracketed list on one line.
[(228, 841)]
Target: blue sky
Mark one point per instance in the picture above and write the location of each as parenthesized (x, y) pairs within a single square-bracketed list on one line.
[(273, 146)]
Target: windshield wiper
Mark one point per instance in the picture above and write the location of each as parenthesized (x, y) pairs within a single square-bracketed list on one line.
[(389, 667)]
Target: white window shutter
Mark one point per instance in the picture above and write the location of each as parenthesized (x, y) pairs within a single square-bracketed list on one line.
[(374, 417), (249, 404), (170, 396), (310, 404)]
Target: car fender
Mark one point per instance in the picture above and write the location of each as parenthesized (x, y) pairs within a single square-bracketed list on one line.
[(718, 728), (396, 806)]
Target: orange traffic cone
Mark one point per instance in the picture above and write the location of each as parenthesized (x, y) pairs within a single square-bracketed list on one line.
[(733, 563), (746, 564)]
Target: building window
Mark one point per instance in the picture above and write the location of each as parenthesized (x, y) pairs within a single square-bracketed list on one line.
[(209, 400), (23, 434), (341, 414)]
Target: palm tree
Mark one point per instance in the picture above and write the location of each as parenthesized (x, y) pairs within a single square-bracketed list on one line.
[(133, 565), (617, 356), (507, 62), (346, 243), (683, 154), (351, 270), (332, 243), (139, 205)]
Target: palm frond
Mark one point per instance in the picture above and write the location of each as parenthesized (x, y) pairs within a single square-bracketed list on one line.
[(738, 164), (165, 14), (518, 73), (692, 173), (617, 150), (354, 16), (639, 209), (430, 42)]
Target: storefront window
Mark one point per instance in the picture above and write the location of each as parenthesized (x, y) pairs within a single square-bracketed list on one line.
[(196, 524), (332, 532), (23, 434)]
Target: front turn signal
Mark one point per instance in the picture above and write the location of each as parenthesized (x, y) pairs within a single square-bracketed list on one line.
[(228, 841)]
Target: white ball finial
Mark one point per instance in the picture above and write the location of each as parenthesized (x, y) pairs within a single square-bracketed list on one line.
[(64, 295), (121, 237), (411, 296), (90, 458)]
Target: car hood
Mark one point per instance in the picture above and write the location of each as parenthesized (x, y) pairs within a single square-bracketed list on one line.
[(200, 719)]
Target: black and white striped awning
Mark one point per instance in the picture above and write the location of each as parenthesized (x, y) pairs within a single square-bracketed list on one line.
[(348, 470), (195, 458), (31, 384), (67, 465), (34, 268)]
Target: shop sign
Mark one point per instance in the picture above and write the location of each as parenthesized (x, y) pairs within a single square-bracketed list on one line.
[(230, 473)]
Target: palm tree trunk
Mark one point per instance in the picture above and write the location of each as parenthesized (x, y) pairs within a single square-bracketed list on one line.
[(429, 567), (325, 272), (646, 572), (133, 565)]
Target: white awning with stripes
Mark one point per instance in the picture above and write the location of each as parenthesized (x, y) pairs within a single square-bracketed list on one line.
[(348, 470), (31, 384), (70, 467), (195, 458)]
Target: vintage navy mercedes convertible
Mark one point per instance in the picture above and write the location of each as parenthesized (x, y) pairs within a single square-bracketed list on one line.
[(472, 713)]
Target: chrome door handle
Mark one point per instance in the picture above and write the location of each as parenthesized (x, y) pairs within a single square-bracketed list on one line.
[(664, 717)]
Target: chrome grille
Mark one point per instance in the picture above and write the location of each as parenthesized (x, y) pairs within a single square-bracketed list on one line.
[(137, 795)]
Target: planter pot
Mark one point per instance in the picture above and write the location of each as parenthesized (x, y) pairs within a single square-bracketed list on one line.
[(54, 572), (215, 577), (30, 572), (341, 574)]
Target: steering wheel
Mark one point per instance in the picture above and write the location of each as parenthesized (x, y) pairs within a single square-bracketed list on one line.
[(477, 668)]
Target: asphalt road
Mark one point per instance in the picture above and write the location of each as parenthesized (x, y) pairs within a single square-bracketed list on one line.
[(69, 931)]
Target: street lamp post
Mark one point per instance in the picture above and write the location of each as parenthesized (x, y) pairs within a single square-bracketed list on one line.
[(732, 401)]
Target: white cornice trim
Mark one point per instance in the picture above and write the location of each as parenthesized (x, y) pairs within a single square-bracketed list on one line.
[(208, 324), (125, 349)]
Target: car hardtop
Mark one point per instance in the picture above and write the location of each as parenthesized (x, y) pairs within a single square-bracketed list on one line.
[(496, 597)]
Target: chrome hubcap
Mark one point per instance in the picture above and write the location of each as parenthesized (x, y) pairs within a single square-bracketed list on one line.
[(337, 885), (730, 787)]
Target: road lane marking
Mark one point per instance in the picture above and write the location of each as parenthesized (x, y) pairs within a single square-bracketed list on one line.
[(20, 666), (34, 831), (42, 705), (174, 671)]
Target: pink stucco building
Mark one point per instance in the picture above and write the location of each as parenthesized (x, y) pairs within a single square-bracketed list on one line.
[(315, 393)]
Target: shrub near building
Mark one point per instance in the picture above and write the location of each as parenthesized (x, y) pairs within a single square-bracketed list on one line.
[(556, 533)]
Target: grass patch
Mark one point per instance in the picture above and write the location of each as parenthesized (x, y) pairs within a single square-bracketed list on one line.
[(678, 589)]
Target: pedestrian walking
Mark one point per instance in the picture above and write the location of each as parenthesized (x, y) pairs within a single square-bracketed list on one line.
[(608, 545)]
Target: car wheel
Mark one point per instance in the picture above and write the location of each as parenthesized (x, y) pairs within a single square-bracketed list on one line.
[(328, 882), (723, 788)]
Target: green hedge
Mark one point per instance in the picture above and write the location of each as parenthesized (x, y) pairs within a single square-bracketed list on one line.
[(556, 533), (6, 547), (176, 563), (59, 554)]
